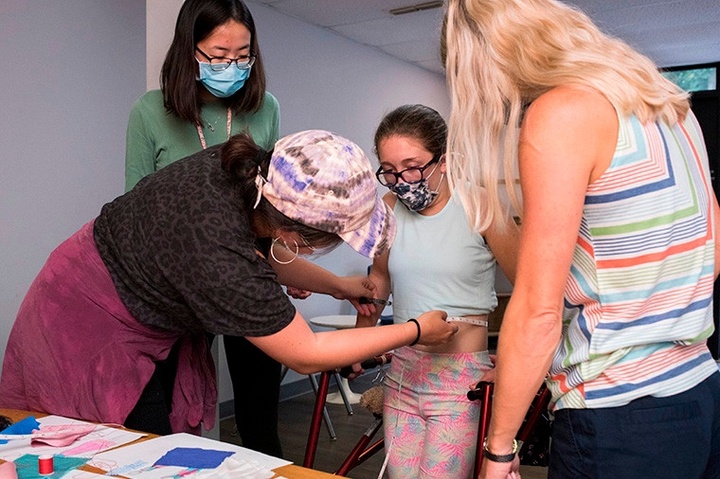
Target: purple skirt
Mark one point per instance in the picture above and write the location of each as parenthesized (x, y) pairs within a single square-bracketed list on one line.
[(76, 351)]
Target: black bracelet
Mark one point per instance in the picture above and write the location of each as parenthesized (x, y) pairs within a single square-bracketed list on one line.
[(417, 338)]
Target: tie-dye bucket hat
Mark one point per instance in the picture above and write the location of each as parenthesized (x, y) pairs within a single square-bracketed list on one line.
[(325, 181)]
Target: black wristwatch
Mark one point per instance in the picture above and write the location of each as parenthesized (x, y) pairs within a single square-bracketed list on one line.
[(500, 457)]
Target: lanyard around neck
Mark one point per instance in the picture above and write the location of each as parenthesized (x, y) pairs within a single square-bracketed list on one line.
[(201, 135)]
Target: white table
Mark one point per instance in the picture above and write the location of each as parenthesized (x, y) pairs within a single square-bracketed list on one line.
[(339, 321)]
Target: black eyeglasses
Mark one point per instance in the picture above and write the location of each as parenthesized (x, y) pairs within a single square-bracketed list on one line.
[(219, 64), (408, 175)]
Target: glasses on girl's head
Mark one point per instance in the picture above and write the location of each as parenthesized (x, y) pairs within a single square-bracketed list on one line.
[(408, 175), (219, 64)]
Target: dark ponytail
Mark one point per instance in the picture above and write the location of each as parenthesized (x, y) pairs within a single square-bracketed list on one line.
[(240, 157)]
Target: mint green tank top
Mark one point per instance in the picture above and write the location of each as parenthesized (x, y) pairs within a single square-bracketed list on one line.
[(439, 262)]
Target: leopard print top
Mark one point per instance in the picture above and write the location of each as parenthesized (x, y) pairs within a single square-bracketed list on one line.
[(181, 253)]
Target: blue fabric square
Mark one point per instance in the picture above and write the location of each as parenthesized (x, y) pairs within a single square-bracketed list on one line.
[(193, 457)]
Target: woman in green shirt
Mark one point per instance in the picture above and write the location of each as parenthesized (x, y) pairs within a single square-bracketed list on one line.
[(199, 103), (212, 87)]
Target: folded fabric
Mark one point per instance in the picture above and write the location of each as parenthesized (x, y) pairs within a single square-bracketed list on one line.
[(60, 435)]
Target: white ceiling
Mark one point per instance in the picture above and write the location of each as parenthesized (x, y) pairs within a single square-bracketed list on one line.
[(671, 32)]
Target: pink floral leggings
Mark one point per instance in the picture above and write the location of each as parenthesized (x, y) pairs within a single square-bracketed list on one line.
[(430, 424)]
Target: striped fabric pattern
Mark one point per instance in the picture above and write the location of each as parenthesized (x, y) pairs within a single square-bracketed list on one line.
[(638, 302)]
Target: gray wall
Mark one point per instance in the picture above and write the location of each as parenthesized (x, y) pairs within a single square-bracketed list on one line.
[(71, 70)]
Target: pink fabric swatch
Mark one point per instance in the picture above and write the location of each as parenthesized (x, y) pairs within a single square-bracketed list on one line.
[(60, 435)]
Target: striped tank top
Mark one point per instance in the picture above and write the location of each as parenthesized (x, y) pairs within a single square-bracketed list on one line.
[(638, 301)]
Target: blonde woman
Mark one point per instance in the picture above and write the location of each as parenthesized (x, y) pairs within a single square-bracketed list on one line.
[(613, 293)]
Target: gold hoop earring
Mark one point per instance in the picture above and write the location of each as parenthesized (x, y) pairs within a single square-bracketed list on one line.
[(272, 251)]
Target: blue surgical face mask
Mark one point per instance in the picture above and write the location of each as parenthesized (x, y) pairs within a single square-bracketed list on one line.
[(223, 83)]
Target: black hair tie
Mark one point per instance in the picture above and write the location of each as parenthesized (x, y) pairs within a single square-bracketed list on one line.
[(417, 325)]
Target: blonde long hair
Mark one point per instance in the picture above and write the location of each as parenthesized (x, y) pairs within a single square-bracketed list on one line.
[(500, 55)]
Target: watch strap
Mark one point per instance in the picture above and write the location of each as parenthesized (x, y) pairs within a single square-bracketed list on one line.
[(500, 457)]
